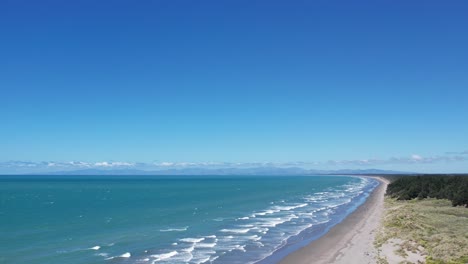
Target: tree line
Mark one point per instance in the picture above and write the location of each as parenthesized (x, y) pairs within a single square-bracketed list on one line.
[(453, 188)]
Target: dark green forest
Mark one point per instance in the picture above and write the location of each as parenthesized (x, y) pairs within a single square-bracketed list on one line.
[(453, 188)]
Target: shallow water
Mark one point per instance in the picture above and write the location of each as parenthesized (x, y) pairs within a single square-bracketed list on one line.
[(177, 219)]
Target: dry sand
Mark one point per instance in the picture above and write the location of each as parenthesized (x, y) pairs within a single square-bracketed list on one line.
[(349, 242)]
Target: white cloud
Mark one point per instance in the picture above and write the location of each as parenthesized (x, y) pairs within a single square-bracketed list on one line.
[(101, 164), (45, 166), (113, 164)]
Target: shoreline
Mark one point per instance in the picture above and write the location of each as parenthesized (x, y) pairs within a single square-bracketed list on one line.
[(350, 241)]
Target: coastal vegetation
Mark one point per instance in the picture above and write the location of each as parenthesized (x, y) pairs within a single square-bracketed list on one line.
[(425, 221), (430, 228), (453, 188)]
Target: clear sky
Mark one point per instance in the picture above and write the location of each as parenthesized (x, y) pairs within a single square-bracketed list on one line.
[(333, 84)]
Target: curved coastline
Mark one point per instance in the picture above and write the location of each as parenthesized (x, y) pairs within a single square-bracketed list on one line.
[(351, 240)]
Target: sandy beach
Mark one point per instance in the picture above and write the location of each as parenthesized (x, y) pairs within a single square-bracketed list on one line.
[(349, 242)]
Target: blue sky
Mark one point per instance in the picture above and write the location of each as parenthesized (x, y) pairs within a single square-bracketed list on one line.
[(332, 84)]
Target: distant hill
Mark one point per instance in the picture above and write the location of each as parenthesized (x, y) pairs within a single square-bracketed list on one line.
[(227, 171)]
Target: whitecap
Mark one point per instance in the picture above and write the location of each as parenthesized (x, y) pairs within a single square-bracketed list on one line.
[(159, 257), (205, 245), (192, 240), (262, 230), (174, 229), (95, 248), (271, 222), (236, 231), (239, 247), (125, 255), (189, 249), (260, 244), (202, 260), (291, 207), (266, 212), (254, 237)]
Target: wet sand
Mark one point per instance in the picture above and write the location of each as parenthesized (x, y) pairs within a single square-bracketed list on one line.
[(349, 242)]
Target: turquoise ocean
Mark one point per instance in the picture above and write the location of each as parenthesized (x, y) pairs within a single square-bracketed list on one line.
[(169, 219)]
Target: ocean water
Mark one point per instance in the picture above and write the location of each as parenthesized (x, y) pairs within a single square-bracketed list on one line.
[(189, 219)]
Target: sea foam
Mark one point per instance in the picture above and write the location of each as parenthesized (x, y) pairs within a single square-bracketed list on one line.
[(125, 255), (160, 257), (192, 240), (236, 231), (174, 229)]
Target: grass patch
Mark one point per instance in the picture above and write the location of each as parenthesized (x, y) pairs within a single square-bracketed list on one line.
[(437, 226)]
